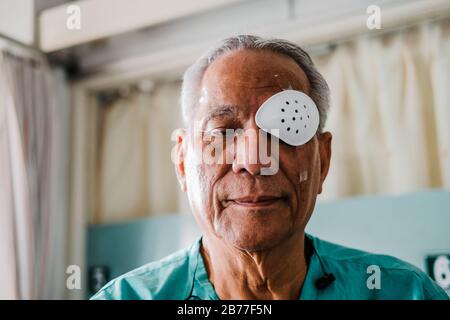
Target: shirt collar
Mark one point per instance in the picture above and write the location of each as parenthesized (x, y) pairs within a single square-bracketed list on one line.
[(203, 288), (309, 290)]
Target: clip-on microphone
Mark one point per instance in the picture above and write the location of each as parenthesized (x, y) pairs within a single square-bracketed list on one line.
[(325, 281)]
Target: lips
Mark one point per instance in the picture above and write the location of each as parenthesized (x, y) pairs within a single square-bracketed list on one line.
[(255, 201)]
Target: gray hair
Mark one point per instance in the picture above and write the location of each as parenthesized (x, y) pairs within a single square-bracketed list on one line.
[(194, 74)]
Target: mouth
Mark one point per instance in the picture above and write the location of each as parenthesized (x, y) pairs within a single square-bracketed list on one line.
[(256, 201)]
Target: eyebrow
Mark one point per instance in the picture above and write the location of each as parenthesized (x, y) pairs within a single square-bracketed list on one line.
[(220, 111)]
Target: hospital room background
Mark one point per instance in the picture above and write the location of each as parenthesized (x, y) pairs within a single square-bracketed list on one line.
[(89, 97)]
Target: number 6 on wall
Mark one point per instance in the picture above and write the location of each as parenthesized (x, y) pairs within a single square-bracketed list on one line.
[(441, 271)]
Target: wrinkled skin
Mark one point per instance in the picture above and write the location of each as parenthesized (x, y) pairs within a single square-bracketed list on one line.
[(253, 224)]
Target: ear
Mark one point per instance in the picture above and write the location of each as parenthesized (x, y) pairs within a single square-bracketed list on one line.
[(178, 155), (325, 156)]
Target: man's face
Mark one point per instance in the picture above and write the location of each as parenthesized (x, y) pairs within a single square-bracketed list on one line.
[(233, 201)]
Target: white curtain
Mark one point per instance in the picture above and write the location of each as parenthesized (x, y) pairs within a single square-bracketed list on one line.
[(389, 115), (135, 175), (33, 154), (390, 112)]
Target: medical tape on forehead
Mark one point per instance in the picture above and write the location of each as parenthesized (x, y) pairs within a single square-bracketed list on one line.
[(292, 113)]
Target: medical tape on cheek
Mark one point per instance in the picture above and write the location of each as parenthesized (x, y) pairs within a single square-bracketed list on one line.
[(293, 113), (303, 176)]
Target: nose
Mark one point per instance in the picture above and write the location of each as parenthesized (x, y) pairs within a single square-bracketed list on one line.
[(250, 151)]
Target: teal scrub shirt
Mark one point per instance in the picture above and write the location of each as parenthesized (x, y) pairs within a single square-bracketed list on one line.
[(183, 276)]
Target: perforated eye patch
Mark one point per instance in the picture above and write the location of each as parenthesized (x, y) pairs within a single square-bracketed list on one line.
[(293, 113)]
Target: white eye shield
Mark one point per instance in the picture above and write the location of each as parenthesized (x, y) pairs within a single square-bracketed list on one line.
[(293, 113)]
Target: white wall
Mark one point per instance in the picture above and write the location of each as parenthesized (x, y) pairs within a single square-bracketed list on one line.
[(17, 20), (165, 50)]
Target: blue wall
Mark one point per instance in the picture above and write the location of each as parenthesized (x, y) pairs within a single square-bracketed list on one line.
[(125, 246), (408, 226)]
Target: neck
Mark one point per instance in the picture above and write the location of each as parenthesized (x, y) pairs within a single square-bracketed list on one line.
[(275, 273)]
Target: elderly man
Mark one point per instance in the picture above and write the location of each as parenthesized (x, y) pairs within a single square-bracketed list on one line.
[(254, 245)]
